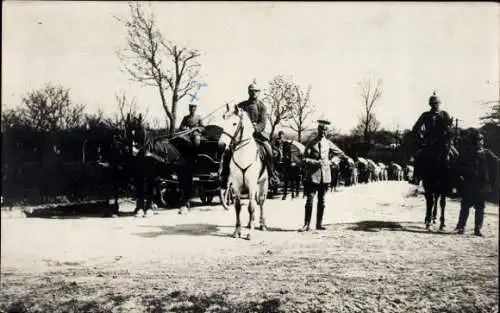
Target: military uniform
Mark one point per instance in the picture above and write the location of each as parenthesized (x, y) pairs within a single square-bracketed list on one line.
[(191, 121), (436, 136), (257, 113), (317, 175), (475, 165)]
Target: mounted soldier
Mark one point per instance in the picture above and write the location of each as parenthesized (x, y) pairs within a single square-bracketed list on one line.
[(433, 130), (257, 113)]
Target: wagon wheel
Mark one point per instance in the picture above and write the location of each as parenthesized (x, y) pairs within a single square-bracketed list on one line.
[(226, 197)]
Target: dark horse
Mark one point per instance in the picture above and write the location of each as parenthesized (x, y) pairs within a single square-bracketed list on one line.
[(291, 168), (151, 160), (437, 167)]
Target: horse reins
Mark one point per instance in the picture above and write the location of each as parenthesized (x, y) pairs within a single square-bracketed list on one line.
[(236, 145)]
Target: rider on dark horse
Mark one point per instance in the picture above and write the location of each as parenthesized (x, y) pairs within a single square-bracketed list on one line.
[(257, 113), (434, 140)]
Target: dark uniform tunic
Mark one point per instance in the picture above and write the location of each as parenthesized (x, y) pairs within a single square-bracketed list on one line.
[(433, 143), (257, 112), (476, 167), (191, 121), (437, 126)]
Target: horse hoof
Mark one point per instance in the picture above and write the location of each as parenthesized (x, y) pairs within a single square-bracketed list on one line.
[(442, 226), (427, 226), (248, 237), (263, 228), (434, 222), (236, 234)]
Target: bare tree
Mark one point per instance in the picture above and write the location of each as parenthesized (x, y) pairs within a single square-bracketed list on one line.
[(51, 109), (301, 112), (125, 107), (280, 98), (370, 92), (152, 60)]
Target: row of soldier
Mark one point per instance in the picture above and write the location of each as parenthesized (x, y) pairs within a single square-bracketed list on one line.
[(432, 130)]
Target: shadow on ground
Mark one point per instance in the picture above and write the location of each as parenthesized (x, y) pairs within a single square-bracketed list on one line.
[(197, 230), (376, 226)]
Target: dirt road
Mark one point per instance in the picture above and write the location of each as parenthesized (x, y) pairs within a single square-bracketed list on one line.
[(375, 256)]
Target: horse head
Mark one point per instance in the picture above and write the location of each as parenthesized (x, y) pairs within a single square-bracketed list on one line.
[(236, 126)]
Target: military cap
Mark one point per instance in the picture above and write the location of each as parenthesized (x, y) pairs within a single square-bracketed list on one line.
[(434, 99), (193, 105), (323, 123), (253, 86)]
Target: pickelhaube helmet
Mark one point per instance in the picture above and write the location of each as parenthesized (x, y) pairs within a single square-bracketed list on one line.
[(253, 86), (434, 99)]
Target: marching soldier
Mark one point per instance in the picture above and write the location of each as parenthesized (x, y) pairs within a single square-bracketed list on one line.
[(477, 166), (257, 112), (435, 136), (317, 176)]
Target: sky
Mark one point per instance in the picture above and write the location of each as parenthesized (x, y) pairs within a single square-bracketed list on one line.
[(414, 48)]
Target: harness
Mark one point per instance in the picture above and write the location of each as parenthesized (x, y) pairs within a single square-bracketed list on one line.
[(237, 142)]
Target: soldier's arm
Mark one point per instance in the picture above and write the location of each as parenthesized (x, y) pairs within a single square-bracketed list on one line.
[(307, 156), (335, 150), (418, 125), (200, 123)]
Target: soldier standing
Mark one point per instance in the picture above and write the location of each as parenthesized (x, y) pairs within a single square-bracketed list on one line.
[(475, 174), (317, 176)]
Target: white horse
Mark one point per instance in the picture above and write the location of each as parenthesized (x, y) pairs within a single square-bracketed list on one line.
[(247, 171)]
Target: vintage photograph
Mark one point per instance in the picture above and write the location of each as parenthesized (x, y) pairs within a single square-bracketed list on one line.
[(250, 157)]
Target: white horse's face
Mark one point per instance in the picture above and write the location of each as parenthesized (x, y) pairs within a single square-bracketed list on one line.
[(231, 119)]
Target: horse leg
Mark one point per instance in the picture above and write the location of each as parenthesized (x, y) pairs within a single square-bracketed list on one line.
[(237, 206), (285, 185), (251, 212), (260, 202), (442, 203), (434, 207), (429, 197), (297, 184)]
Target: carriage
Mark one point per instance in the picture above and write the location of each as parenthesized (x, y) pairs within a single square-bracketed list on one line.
[(204, 162)]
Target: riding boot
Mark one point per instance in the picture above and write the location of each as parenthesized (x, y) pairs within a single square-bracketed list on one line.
[(320, 208), (273, 177), (309, 193)]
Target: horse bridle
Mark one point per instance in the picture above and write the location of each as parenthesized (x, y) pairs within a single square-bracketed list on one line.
[(237, 144), (237, 141)]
